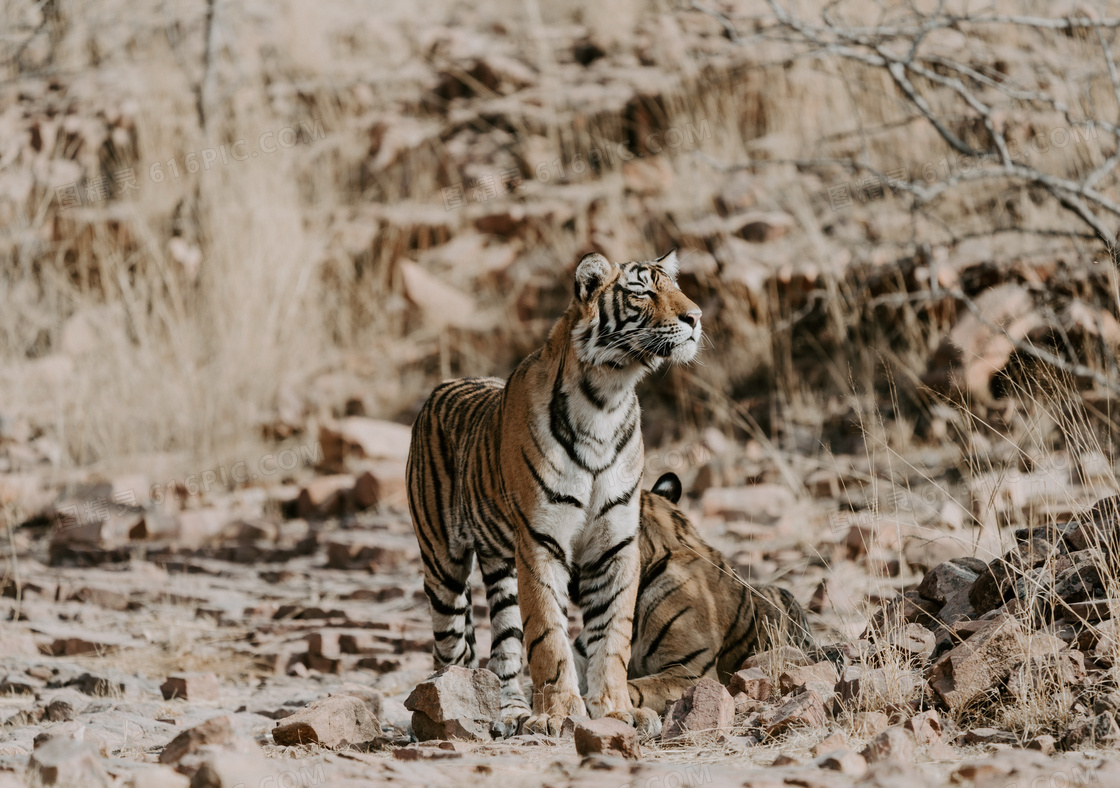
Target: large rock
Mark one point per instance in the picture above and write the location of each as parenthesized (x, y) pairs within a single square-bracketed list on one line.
[(706, 708), (364, 439), (974, 666), (607, 736), (455, 703), (945, 581), (337, 721)]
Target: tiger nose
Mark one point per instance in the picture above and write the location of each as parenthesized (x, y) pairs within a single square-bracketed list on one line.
[(692, 318)]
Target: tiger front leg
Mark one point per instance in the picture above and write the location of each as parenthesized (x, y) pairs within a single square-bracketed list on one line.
[(608, 589), (542, 589)]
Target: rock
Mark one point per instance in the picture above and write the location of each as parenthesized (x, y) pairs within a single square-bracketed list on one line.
[(74, 731), (325, 496), (607, 736), (975, 665), (913, 640), (763, 504), (198, 528), (443, 305), (760, 226), (706, 708), (336, 721), (191, 686), (455, 703), (796, 678), (381, 483), (844, 761), (156, 777), (1095, 731), (894, 744), (65, 705), (776, 659), (989, 736), (804, 709), (216, 732), (870, 689), (230, 769), (752, 682), (926, 726), (946, 580), (357, 437), (831, 743), (68, 763), (867, 724), (1046, 744)]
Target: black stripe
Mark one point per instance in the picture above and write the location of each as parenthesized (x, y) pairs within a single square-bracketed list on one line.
[(683, 661), (596, 568), (532, 646), (653, 644), (653, 571), (588, 390), (512, 632), (622, 500), (503, 604), (553, 496), (440, 606)]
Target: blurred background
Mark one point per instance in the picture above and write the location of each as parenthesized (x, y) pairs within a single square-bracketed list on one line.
[(227, 227)]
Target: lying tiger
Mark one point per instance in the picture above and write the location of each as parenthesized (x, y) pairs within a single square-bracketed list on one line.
[(695, 617)]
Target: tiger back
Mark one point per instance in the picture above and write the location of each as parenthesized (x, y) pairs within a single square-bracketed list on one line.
[(694, 615)]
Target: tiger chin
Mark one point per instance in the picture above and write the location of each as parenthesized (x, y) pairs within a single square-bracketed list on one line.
[(695, 616), (537, 477)]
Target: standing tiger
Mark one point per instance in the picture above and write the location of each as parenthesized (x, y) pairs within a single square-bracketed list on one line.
[(695, 616), (538, 477)]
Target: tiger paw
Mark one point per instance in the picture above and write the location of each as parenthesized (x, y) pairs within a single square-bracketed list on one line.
[(544, 724), (647, 721), (511, 722)]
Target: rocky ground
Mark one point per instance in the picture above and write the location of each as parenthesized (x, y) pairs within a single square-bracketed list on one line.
[(273, 636)]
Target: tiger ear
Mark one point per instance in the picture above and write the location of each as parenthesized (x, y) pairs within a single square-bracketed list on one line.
[(668, 486), (669, 264), (591, 274)]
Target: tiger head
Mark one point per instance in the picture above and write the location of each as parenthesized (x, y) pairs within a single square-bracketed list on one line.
[(632, 314)]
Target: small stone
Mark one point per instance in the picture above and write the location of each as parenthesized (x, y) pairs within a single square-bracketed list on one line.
[(156, 777), (913, 640), (191, 686), (794, 679), (66, 705), (336, 721), (75, 731), (844, 761), (1046, 744), (867, 724), (946, 580), (232, 769), (755, 683), (779, 658), (805, 709), (68, 762), (785, 760), (832, 743), (705, 708), (607, 736), (894, 744), (216, 732)]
